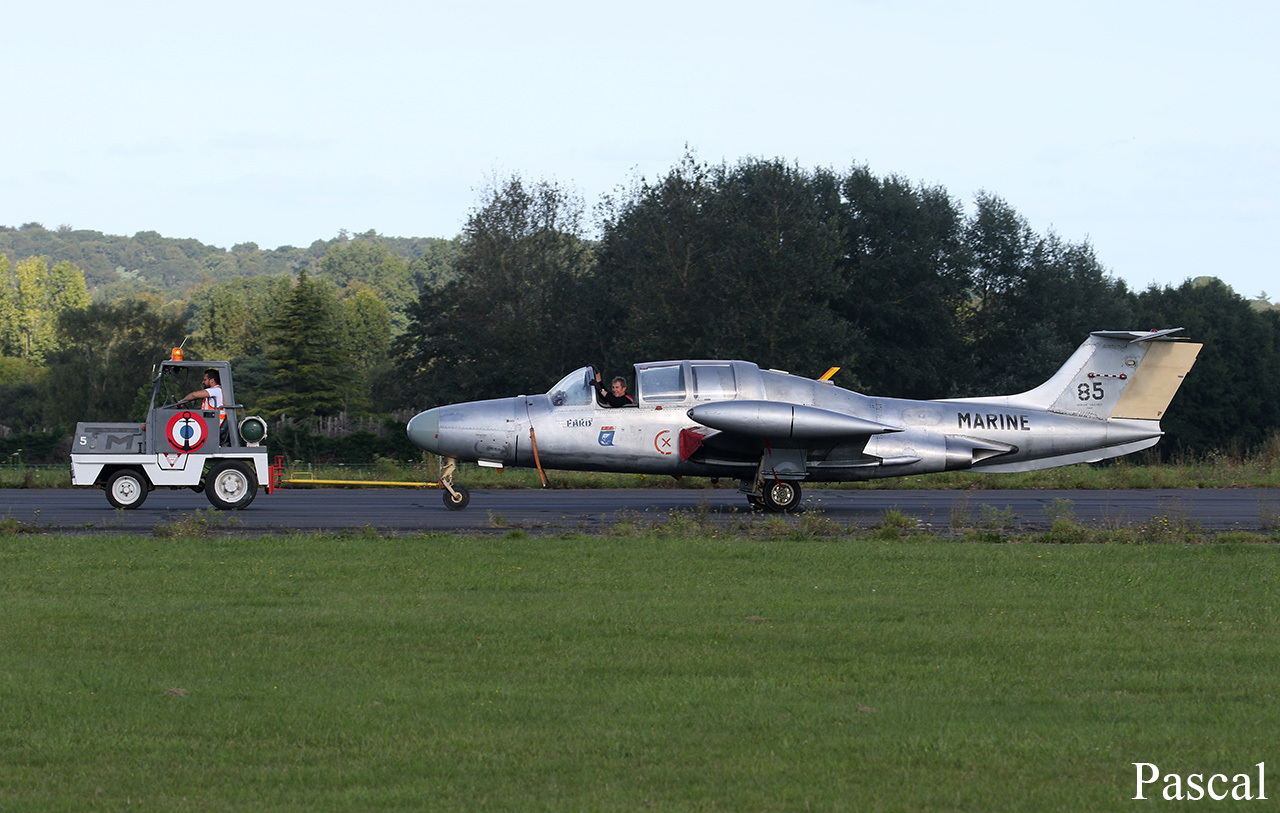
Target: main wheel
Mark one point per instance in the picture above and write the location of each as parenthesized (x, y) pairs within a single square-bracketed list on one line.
[(781, 496), (460, 501), (230, 486), (127, 488)]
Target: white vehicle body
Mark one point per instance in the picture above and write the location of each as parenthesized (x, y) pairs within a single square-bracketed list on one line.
[(180, 446)]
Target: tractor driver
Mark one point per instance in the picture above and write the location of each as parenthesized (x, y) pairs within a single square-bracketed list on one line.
[(212, 393)]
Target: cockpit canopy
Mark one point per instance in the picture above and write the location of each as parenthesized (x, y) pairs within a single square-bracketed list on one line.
[(668, 382), (661, 382)]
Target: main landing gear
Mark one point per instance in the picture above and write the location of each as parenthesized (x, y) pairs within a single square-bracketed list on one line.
[(776, 496)]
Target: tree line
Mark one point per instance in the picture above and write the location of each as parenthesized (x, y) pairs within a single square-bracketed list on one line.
[(167, 268), (910, 291), (801, 269)]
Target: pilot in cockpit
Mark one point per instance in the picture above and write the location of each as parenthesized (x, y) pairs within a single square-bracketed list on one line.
[(616, 395)]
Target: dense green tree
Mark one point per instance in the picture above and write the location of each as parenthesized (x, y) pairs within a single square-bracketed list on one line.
[(434, 266), (230, 318), (728, 261), (366, 337), (366, 327), (1230, 401), (655, 257), (774, 269), (378, 270), (9, 341), (32, 297), (907, 281), (226, 328), (1035, 298), (311, 374), (22, 396), (515, 317), (106, 355)]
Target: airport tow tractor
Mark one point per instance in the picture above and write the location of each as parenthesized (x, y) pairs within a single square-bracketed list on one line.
[(181, 445)]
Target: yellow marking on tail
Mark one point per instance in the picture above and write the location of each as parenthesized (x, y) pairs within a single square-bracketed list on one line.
[(1156, 380)]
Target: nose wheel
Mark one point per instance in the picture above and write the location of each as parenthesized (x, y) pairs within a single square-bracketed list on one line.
[(456, 498)]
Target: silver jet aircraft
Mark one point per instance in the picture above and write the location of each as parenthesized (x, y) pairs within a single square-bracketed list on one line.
[(774, 431)]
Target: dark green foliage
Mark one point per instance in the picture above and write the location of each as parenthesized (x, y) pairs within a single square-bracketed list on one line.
[(35, 447), (371, 266), (656, 257), (726, 262), (356, 448), (518, 314), (230, 318), (311, 375), (434, 266), (107, 355), (1231, 399), (1034, 300), (906, 281)]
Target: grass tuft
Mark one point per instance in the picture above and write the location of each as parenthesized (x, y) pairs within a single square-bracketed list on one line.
[(199, 524), (10, 524)]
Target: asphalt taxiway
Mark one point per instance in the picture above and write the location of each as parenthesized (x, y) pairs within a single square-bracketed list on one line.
[(401, 511)]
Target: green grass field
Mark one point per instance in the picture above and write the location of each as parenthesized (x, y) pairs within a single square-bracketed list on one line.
[(660, 670)]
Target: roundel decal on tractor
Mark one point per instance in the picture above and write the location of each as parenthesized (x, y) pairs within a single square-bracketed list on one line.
[(186, 431)]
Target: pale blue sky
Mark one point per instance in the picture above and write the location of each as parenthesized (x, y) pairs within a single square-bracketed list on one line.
[(1148, 128)]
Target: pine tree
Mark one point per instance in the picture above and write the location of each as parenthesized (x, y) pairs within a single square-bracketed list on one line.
[(311, 374)]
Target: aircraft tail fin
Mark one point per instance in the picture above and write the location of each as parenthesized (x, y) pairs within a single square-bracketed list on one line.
[(1117, 374)]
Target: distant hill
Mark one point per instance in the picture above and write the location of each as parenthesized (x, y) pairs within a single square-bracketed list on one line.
[(115, 265)]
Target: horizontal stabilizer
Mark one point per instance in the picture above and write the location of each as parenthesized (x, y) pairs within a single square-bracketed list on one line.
[(1133, 336), (773, 419)]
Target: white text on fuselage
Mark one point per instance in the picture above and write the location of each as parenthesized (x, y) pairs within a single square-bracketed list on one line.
[(993, 420)]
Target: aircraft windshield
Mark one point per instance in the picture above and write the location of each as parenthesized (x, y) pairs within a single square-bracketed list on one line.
[(572, 390)]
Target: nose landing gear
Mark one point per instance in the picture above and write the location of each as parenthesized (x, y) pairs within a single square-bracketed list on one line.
[(456, 497)]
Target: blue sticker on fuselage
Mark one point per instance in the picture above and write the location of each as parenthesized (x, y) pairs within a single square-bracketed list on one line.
[(606, 436)]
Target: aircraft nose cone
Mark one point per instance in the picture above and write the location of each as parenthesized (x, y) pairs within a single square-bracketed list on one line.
[(424, 430)]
